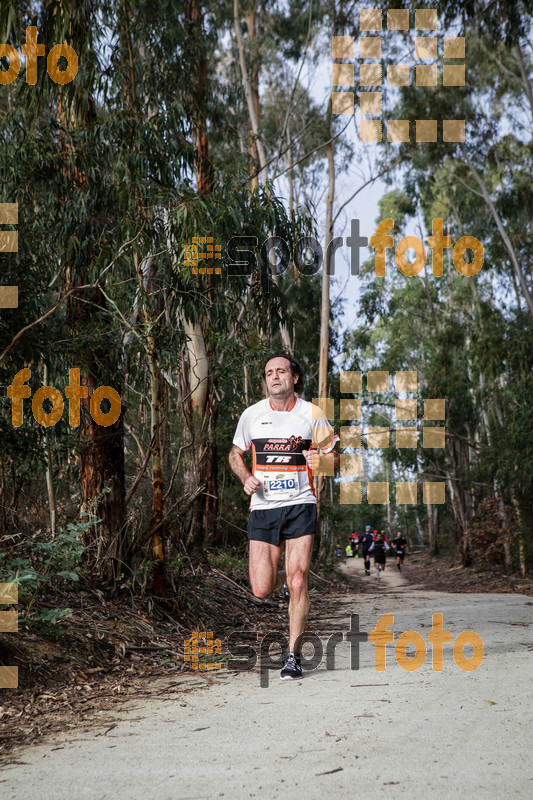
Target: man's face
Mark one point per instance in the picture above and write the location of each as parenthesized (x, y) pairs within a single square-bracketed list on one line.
[(279, 379)]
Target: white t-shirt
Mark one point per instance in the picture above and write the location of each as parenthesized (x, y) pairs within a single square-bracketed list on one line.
[(277, 439)]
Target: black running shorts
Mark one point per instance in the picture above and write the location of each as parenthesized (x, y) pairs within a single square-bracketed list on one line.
[(366, 554), (271, 525), (379, 557)]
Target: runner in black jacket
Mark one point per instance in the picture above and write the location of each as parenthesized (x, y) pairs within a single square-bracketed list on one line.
[(399, 544), (366, 540), (379, 548)]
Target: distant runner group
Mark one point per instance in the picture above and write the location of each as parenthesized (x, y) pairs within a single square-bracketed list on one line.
[(376, 543)]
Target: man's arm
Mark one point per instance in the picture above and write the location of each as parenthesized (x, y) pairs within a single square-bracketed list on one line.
[(322, 463), (239, 468)]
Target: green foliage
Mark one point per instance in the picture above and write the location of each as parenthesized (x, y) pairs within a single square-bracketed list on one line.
[(228, 562), (48, 566)]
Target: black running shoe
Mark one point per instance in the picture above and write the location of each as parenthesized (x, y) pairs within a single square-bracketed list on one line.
[(291, 667), (286, 593)]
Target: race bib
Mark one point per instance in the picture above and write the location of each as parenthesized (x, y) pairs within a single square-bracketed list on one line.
[(280, 485)]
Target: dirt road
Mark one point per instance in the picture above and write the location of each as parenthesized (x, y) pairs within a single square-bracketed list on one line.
[(340, 733)]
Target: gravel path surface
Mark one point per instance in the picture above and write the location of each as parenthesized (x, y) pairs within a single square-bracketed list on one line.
[(340, 733)]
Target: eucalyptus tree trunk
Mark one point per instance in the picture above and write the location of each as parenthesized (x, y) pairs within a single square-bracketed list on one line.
[(325, 305), (142, 313), (3, 499), (458, 505), (102, 482), (199, 409), (324, 308), (101, 454), (520, 534), (251, 21), (486, 424), (50, 488), (432, 529), (251, 91), (156, 524), (199, 403)]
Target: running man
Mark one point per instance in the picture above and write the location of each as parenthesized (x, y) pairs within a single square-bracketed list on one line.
[(366, 540), (284, 433), (379, 547), (400, 544)]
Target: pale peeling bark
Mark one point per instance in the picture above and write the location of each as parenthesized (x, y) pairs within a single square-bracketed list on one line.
[(254, 112), (254, 121), (324, 310), (432, 529), (198, 367)]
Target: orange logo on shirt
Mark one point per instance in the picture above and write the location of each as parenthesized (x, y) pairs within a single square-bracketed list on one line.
[(294, 441)]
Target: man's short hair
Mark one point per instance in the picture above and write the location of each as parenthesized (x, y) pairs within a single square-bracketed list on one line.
[(295, 368)]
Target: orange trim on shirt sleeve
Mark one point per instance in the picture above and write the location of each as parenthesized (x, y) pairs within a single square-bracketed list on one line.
[(253, 470), (310, 479), (330, 447)]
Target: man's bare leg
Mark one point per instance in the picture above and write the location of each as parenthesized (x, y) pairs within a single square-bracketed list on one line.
[(298, 554), (264, 575)]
